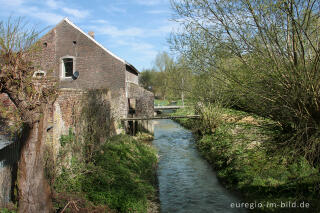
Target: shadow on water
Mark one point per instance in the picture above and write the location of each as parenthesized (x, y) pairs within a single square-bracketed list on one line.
[(187, 182)]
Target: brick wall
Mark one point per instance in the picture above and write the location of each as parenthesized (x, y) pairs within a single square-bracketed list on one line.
[(97, 68)]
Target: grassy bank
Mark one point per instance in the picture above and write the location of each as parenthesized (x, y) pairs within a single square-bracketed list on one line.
[(158, 102), (120, 177), (247, 153)]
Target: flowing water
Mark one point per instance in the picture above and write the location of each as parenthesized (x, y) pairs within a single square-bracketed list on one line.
[(187, 182)]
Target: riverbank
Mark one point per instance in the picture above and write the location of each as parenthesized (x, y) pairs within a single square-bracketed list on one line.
[(120, 177), (247, 153)]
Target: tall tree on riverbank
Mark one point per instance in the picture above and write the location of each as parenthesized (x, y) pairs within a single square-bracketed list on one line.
[(263, 54), (169, 79), (180, 79), (32, 98)]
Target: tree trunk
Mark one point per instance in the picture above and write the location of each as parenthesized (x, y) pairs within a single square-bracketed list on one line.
[(33, 189), (182, 91)]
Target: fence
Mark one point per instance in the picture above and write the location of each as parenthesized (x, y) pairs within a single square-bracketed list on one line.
[(9, 155)]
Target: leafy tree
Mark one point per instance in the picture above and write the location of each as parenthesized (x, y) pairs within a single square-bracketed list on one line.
[(32, 98), (153, 81), (263, 54), (169, 79), (145, 79), (163, 63), (180, 79)]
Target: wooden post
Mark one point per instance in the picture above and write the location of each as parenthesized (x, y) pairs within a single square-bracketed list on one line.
[(133, 127)]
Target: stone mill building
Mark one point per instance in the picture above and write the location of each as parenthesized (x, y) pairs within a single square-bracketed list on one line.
[(79, 64), (67, 50)]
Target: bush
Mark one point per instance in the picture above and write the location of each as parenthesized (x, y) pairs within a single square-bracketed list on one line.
[(267, 64), (121, 175), (245, 154), (210, 117), (125, 175)]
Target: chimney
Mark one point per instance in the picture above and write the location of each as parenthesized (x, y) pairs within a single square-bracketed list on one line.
[(91, 33)]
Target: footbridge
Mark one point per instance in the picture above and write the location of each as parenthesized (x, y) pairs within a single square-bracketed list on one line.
[(136, 123), (157, 108), (160, 117)]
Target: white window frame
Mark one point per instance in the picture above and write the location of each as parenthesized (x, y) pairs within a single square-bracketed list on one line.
[(62, 67), (39, 71)]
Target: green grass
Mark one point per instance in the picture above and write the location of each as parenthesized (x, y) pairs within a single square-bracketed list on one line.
[(126, 175), (246, 153), (5, 210), (122, 176), (158, 102), (185, 122)]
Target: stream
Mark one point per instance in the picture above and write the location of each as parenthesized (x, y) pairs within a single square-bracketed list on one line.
[(187, 183)]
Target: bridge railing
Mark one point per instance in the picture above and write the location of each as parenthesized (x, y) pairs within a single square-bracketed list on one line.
[(161, 117)]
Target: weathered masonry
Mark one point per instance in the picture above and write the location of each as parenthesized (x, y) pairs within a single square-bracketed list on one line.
[(67, 50), (81, 66)]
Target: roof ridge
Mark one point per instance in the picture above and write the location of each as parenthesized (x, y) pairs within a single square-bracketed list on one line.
[(92, 39)]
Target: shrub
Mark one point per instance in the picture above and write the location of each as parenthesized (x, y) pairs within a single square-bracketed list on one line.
[(120, 175), (125, 175)]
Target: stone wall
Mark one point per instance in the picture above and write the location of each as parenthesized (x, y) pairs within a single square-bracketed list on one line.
[(131, 77), (99, 70), (68, 112), (7, 112), (144, 100), (5, 185), (97, 67), (65, 109)]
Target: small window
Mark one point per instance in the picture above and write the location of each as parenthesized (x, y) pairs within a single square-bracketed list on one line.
[(45, 44), (74, 42), (39, 74), (68, 67)]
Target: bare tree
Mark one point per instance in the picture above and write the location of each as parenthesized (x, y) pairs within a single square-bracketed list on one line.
[(32, 98), (277, 44)]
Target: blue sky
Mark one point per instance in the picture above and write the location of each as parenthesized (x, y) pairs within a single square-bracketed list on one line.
[(134, 30)]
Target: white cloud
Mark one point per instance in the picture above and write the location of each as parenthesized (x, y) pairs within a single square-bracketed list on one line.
[(99, 21), (12, 3), (49, 17), (50, 11), (150, 2), (104, 27), (157, 11), (52, 4), (113, 31), (76, 13), (114, 9), (141, 51)]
